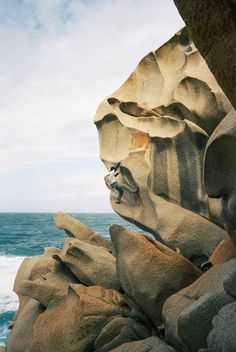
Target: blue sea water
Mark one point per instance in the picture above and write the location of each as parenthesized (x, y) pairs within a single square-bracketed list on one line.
[(27, 234)]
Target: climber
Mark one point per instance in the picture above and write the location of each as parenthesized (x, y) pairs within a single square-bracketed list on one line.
[(113, 184)]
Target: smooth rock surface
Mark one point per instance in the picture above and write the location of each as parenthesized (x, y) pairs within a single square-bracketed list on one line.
[(148, 271), (157, 125), (74, 228), (92, 265)]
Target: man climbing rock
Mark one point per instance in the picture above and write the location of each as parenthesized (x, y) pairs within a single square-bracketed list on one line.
[(113, 184)]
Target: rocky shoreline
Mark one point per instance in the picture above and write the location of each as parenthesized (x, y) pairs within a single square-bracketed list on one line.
[(133, 294)]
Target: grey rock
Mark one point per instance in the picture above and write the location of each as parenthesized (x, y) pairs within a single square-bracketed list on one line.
[(222, 338), (211, 282), (195, 322)]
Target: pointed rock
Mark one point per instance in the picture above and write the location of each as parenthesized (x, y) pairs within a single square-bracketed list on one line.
[(149, 271), (74, 228)]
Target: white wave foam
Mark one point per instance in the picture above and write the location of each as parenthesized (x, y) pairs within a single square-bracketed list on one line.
[(8, 269)]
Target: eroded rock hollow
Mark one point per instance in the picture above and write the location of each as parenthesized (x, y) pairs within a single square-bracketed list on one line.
[(157, 124)]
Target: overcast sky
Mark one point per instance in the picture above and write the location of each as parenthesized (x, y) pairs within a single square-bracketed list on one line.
[(59, 60)]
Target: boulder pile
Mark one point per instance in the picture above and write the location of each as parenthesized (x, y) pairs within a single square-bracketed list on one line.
[(172, 129), (131, 294)]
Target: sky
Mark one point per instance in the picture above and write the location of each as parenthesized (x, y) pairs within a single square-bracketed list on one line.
[(59, 59)]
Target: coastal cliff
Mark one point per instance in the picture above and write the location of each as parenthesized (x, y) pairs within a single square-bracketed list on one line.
[(172, 129)]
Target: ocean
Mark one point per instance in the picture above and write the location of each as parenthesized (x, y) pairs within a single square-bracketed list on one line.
[(27, 234)]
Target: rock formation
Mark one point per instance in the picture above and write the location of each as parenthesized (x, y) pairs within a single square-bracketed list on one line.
[(145, 298), (172, 129), (157, 124), (214, 36)]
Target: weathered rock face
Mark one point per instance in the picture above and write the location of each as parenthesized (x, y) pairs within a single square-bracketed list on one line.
[(77, 323), (74, 228), (157, 125), (188, 314), (214, 36), (168, 271)]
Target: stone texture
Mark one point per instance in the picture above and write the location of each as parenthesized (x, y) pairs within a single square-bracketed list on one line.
[(92, 265), (210, 283), (195, 322), (50, 287), (20, 337), (74, 323), (149, 271), (209, 33), (222, 338), (151, 344), (74, 228), (225, 251), (157, 125)]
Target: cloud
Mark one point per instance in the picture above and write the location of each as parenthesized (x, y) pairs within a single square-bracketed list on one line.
[(60, 59)]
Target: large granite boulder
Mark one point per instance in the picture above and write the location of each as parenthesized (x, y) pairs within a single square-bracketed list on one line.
[(149, 271), (92, 265), (212, 26), (74, 228), (88, 319), (199, 301), (157, 125)]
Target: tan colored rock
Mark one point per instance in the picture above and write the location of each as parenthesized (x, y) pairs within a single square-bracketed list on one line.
[(92, 265), (210, 283), (209, 34), (20, 337), (50, 287), (148, 271), (74, 228), (34, 268), (225, 251), (157, 125), (74, 323), (151, 344)]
